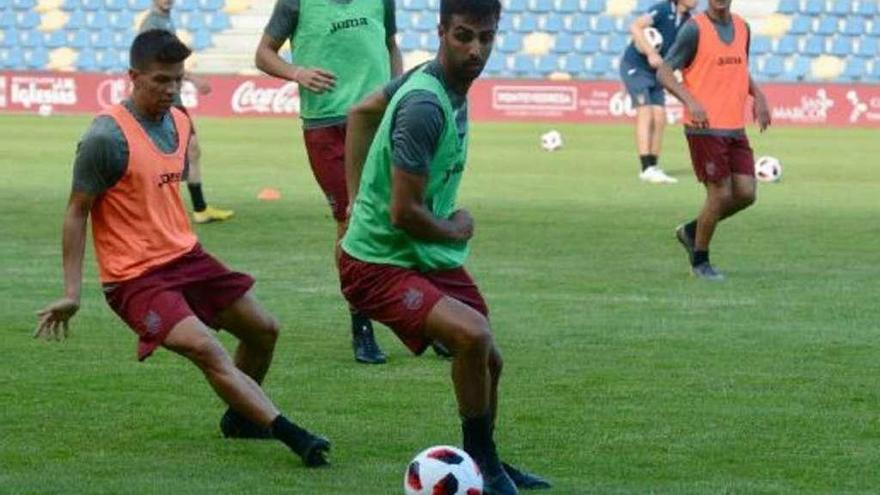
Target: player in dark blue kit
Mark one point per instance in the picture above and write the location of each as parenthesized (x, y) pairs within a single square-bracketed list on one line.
[(638, 70)]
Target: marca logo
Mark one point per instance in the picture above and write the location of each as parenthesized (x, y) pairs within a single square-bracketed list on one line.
[(113, 91), (29, 91), (811, 110), (556, 98), (858, 107), (2, 91), (249, 98)]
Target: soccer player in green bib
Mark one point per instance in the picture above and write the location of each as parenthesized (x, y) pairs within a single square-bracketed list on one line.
[(403, 254), (342, 50)]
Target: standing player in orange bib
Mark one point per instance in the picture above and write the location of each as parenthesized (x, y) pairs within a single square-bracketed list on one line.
[(712, 52), (155, 275)]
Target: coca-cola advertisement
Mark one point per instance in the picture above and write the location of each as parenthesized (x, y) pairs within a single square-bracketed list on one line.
[(815, 104)]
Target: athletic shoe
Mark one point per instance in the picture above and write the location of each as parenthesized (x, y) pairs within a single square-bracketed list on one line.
[(366, 350), (441, 350), (500, 484), (211, 214), (705, 271), (234, 425), (315, 452), (686, 241), (656, 175), (524, 480)]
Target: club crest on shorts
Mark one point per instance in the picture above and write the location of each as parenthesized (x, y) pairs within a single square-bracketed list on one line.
[(413, 298), (152, 322)]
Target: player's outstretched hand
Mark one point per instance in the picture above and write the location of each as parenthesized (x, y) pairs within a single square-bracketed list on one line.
[(464, 223), (316, 80), (761, 111), (53, 319)]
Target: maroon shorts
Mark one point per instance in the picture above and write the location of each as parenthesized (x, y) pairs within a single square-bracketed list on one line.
[(402, 298), (326, 149), (194, 284), (717, 157)]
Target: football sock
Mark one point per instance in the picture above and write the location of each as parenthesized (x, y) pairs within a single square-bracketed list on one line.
[(359, 321), (292, 435), (646, 161), (691, 229), (195, 194), (652, 159), (477, 439), (700, 257)]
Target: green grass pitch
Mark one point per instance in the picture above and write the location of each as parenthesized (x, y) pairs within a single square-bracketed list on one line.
[(623, 374)]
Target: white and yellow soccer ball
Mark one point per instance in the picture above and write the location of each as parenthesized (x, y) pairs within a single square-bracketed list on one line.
[(442, 469), (654, 37), (768, 169), (551, 140)]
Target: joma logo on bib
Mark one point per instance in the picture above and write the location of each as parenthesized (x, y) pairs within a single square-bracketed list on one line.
[(347, 24)]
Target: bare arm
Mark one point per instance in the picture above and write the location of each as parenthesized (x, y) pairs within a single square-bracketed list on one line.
[(363, 121), (668, 80), (395, 56), (409, 213), (760, 109), (637, 30), (269, 61), (54, 316)]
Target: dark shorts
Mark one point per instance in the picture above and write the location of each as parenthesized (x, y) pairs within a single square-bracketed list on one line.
[(717, 157), (642, 86), (326, 149), (402, 298), (194, 284)]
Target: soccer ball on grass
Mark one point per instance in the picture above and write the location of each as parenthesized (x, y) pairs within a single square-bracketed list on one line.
[(551, 140), (768, 169), (442, 470)]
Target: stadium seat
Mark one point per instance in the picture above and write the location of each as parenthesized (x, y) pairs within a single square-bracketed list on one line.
[(573, 64), (854, 26), (30, 39), (101, 39), (55, 39), (569, 6), (526, 23), (496, 65), (874, 30), (553, 23), (218, 21), (867, 8), (868, 48), (115, 5), (12, 58), (760, 45), (27, 20), (4, 4), (616, 43), (432, 42), (814, 46), (788, 6), (563, 43), (787, 45), (78, 39), (97, 20), (121, 21), (855, 69), (36, 58), (579, 24), (201, 39), (76, 20), (427, 22), (600, 64), (537, 43), (875, 72), (547, 64), (122, 39), (410, 40), (42, 6), (210, 5), (138, 5), (523, 65), (7, 19), (589, 44), (515, 6), (826, 67), (841, 46), (92, 5), (800, 69), (814, 7), (642, 6), (594, 7), (23, 4), (186, 5), (505, 24), (510, 42), (542, 6), (61, 59), (603, 24), (827, 26), (774, 66), (801, 24), (195, 21), (841, 7), (53, 21)]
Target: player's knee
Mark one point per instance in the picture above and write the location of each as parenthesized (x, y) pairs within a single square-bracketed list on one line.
[(208, 355), (271, 331), (475, 337), (496, 363), (746, 198)]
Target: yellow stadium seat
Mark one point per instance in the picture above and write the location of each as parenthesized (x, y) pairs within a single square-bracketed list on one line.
[(44, 6), (414, 58), (559, 76), (236, 6), (774, 25), (537, 44), (827, 67), (62, 59), (52, 21), (620, 8)]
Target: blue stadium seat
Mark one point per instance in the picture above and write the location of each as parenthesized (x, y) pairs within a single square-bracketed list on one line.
[(12, 59), (427, 22), (569, 6), (604, 24), (77, 20), (210, 5), (115, 5), (841, 46), (827, 26), (55, 39), (642, 6), (815, 46), (875, 73), (28, 20), (71, 5), (410, 40), (616, 43), (139, 5), (186, 5), (563, 43), (855, 69), (787, 45), (101, 39), (505, 24), (432, 42), (415, 5), (515, 6), (788, 7), (4, 4), (547, 64), (122, 39), (527, 23), (542, 6), (30, 39), (801, 24), (773, 67), (85, 60), (195, 21), (841, 7), (7, 19), (800, 69), (23, 4), (868, 48), (97, 20), (874, 30), (854, 26), (78, 39), (600, 65), (589, 44), (573, 64), (815, 7), (496, 65), (36, 58), (434, 5), (553, 23), (760, 45), (105, 59), (579, 24), (92, 4), (121, 21), (867, 9), (202, 39), (510, 42), (523, 65), (594, 6)]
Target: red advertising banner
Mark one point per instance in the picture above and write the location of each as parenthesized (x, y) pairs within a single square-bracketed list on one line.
[(48, 93)]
